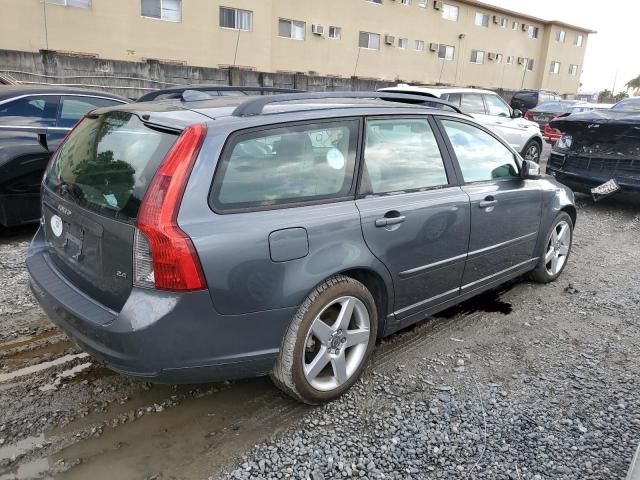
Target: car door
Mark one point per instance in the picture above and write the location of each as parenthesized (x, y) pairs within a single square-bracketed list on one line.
[(415, 216), (505, 208), (501, 122)]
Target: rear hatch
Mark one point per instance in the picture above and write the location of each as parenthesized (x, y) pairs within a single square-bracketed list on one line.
[(91, 195)]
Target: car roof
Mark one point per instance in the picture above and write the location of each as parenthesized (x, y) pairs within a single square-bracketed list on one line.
[(11, 91), (179, 114), (434, 90)]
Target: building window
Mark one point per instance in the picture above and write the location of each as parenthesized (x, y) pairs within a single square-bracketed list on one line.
[(291, 29), (420, 45), (335, 33), (560, 35), (71, 3), (504, 22), (169, 10), (573, 70), (236, 19), (379, 2), (482, 19), (405, 2), (477, 56), (514, 25), (369, 40), (445, 52), (532, 31), (450, 12), (578, 41), (509, 60), (498, 58), (423, 3), (529, 63), (402, 43), (554, 68)]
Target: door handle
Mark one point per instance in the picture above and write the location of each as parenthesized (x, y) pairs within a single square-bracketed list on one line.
[(489, 201), (390, 218)]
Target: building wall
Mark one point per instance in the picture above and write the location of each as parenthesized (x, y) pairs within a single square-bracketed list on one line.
[(115, 29)]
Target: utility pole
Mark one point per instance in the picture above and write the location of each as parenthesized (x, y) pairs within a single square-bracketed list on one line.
[(46, 30), (524, 74)]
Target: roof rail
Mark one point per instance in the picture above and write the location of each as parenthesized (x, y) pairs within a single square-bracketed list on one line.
[(254, 106), (176, 92)]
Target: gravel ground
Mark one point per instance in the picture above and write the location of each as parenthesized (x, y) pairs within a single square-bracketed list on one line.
[(544, 386), (529, 382)]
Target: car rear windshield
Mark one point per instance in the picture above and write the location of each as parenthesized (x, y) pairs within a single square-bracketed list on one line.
[(107, 163)]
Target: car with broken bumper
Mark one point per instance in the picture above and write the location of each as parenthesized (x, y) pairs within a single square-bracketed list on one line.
[(599, 151), (190, 242)]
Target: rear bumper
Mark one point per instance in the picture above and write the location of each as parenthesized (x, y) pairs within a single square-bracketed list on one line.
[(583, 183), (161, 336)]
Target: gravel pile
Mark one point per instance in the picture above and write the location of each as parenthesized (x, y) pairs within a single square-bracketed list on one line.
[(15, 296)]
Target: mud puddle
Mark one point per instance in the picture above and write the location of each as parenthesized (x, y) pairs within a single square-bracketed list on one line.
[(189, 440)]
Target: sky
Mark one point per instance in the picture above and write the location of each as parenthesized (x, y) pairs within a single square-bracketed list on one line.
[(612, 53)]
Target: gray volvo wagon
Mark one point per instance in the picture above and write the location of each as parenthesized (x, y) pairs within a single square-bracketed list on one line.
[(189, 241)]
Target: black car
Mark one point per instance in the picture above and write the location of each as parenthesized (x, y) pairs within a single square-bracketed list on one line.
[(33, 122), (525, 100), (599, 148)]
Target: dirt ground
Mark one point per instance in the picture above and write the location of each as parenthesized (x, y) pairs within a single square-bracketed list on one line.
[(559, 354)]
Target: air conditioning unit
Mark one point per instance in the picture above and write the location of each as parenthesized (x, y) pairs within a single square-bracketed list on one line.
[(437, 4), (525, 27), (433, 47), (491, 56), (497, 19), (317, 29), (521, 60), (389, 39)]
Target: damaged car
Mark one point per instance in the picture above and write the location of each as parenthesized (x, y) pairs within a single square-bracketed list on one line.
[(599, 151)]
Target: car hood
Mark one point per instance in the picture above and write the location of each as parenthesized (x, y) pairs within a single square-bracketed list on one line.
[(597, 119)]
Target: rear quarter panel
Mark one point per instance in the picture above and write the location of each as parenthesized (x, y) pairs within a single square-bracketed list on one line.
[(555, 197)]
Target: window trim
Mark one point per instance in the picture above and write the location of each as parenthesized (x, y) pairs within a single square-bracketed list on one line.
[(66, 4), (484, 15), (445, 52), (221, 163), (291, 21), (450, 171), (456, 164), (380, 39), (476, 62), (335, 29), (444, 5)]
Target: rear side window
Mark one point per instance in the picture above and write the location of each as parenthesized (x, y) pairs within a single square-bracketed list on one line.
[(481, 157), (287, 165), (107, 164), (401, 155), (73, 108), (38, 109), (472, 103), (453, 98)]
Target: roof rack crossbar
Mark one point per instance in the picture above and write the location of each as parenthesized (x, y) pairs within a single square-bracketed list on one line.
[(255, 106)]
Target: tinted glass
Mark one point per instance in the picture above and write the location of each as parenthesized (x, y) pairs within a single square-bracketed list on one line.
[(107, 163), (496, 106), (284, 165), (73, 108), (550, 107), (32, 109), (481, 157), (472, 103), (401, 155)]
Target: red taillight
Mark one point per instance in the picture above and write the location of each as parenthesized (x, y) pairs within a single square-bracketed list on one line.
[(175, 262)]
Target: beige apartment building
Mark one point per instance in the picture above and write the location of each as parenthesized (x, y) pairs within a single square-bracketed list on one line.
[(455, 42)]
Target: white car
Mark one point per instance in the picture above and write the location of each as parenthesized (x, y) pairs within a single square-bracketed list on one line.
[(492, 111)]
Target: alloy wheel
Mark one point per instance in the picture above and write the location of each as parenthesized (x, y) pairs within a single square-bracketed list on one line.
[(558, 248), (336, 343), (532, 153)]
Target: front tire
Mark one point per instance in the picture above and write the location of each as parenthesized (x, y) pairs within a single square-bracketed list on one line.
[(328, 342), (532, 150), (557, 249)]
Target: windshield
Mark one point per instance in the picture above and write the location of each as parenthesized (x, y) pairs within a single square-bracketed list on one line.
[(632, 105), (107, 163)]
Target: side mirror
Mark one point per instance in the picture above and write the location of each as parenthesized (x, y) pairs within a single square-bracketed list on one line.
[(530, 169), (516, 114)]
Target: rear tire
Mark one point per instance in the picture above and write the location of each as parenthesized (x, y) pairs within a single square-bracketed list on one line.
[(328, 342), (532, 150), (556, 250)]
